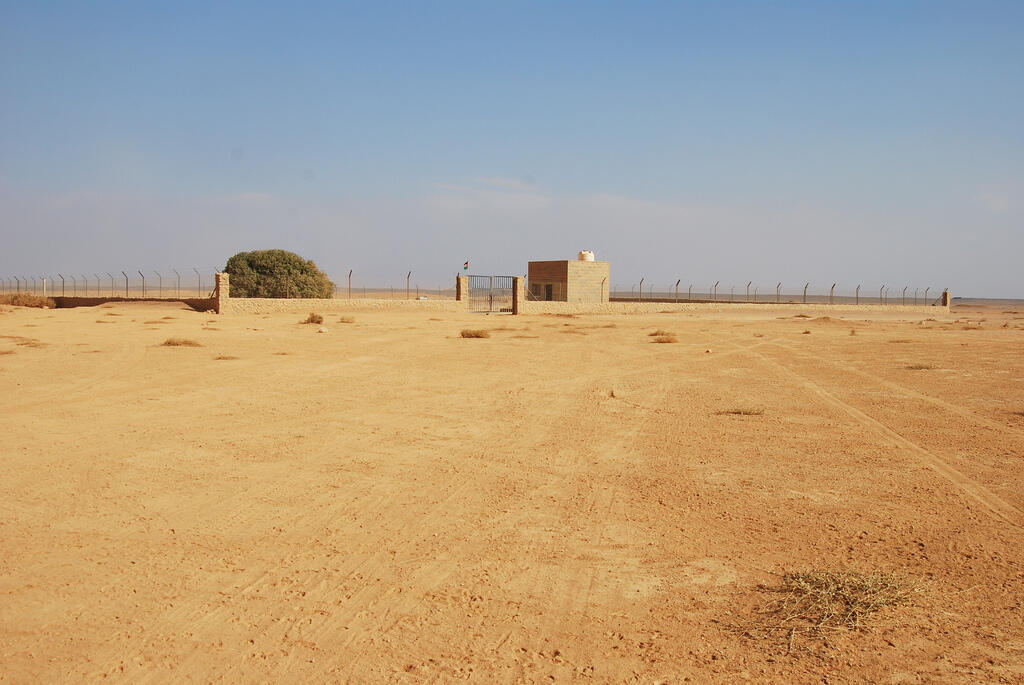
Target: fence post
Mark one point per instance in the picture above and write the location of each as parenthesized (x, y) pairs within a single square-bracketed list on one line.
[(748, 290), (641, 290), (178, 276), (831, 293), (857, 300), (350, 284), (677, 290), (689, 293), (143, 282), (160, 285), (926, 294), (125, 283), (755, 293), (714, 290), (61, 285), (805, 291), (407, 277), (199, 282), (880, 301), (778, 287), (904, 301)]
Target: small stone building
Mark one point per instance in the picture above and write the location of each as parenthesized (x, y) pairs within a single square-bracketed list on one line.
[(566, 280)]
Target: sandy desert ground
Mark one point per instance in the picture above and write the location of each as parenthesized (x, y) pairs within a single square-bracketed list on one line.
[(389, 502)]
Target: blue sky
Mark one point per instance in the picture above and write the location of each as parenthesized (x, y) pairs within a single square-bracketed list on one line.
[(851, 142)]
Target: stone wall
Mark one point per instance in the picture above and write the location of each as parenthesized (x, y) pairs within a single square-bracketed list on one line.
[(822, 309), (266, 305), (588, 281), (200, 304)]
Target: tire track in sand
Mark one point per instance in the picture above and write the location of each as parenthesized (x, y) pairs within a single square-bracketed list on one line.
[(976, 491), (907, 392)]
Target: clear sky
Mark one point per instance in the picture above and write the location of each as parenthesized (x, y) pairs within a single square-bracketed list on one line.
[(859, 142)]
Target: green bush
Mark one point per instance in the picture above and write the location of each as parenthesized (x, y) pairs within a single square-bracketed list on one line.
[(276, 273)]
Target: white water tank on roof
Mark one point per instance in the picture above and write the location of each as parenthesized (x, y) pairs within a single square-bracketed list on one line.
[(585, 256)]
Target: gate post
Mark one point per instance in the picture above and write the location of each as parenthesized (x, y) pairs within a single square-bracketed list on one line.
[(518, 294), (462, 290)]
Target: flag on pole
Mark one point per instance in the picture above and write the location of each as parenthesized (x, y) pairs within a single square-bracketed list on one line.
[(465, 267)]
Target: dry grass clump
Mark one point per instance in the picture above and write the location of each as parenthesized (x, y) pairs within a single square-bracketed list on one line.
[(347, 319), (919, 367), (801, 316), (224, 358), (670, 338), (180, 342), (806, 333), (741, 412), (153, 322), (474, 333), (26, 300), (313, 318), (815, 603), (900, 341), (660, 332)]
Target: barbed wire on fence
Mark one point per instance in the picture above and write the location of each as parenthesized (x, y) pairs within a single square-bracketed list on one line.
[(200, 282)]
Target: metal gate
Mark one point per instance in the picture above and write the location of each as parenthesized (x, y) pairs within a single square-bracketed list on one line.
[(491, 294)]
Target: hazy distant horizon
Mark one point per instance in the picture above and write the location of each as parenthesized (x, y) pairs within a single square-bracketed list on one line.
[(858, 143)]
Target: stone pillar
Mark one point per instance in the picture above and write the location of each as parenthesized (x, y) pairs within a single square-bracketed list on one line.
[(518, 293), (462, 289), (222, 293)]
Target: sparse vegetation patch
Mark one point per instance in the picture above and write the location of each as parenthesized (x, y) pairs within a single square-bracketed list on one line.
[(919, 367), (180, 342), (314, 318), (741, 412), (474, 333), (816, 603), (347, 319), (670, 338)]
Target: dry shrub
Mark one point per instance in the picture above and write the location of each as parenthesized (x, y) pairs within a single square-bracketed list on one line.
[(806, 333), (972, 328), (815, 603), (104, 321), (660, 332), (741, 412), (152, 322), (26, 300), (900, 341), (919, 367), (665, 339), (224, 357), (180, 342), (313, 318), (347, 319), (168, 317), (474, 333), (801, 316), (853, 331), (758, 335)]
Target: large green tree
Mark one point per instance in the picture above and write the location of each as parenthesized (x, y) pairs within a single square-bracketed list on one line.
[(276, 273)]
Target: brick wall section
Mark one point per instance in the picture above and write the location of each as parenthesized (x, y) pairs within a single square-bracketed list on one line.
[(588, 281), (555, 273)]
